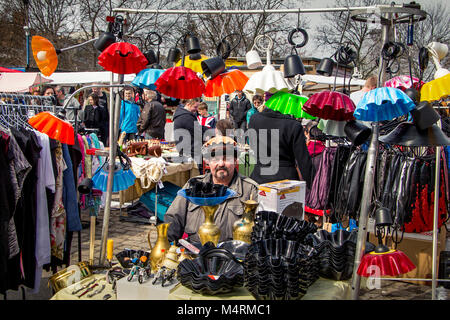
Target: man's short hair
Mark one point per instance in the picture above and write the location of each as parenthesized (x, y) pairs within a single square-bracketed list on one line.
[(192, 101), (224, 124), (371, 82), (203, 106)]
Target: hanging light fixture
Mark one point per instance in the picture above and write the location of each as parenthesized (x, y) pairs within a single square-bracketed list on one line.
[(288, 103), (122, 58), (330, 105), (293, 64), (383, 104), (180, 82), (269, 79), (390, 262), (220, 80), (436, 89)]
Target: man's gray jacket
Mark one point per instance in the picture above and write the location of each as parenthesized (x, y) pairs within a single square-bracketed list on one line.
[(188, 217)]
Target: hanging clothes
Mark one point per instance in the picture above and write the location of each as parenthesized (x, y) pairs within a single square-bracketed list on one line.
[(46, 179), (58, 214), (70, 194), (25, 214)]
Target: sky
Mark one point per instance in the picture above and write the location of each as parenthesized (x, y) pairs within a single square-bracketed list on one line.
[(315, 20)]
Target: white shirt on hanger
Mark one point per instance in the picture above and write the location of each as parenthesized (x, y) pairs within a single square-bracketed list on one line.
[(46, 179)]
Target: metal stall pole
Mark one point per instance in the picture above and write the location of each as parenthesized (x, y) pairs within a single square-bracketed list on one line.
[(434, 265), (112, 162), (369, 175)]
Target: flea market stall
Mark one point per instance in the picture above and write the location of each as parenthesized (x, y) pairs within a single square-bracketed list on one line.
[(380, 185)]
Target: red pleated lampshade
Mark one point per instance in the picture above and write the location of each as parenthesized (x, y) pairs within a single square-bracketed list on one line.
[(330, 105), (390, 263), (122, 58), (180, 83)]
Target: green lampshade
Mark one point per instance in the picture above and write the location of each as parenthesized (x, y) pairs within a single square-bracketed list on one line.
[(288, 103)]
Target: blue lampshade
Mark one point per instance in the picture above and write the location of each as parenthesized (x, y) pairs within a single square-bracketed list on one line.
[(383, 103), (146, 78), (209, 201), (123, 178)]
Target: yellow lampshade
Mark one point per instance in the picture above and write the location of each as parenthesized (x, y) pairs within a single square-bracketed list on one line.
[(44, 54), (435, 89), (194, 65)]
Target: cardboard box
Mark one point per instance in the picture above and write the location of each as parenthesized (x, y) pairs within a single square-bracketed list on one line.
[(286, 197)]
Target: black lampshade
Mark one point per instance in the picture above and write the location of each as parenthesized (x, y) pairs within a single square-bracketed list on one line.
[(356, 132), (173, 55), (325, 67), (104, 41), (424, 115), (193, 45), (293, 66), (407, 134), (213, 67)]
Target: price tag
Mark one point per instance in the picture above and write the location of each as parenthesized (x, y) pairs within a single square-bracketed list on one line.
[(160, 184)]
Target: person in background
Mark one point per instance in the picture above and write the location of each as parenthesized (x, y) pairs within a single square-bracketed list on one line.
[(129, 115), (204, 118), (71, 106), (239, 107), (94, 117), (257, 106), (152, 120), (370, 84), (280, 158)]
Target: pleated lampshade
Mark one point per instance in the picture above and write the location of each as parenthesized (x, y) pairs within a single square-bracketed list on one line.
[(226, 83), (383, 104), (122, 58), (435, 89), (288, 103), (330, 105), (390, 263), (180, 83), (56, 128)]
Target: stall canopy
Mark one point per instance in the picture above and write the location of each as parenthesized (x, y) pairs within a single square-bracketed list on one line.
[(20, 81), (75, 78), (317, 82)]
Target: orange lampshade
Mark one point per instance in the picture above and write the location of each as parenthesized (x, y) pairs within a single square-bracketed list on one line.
[(57, 129), (226, 82), (44, 54)]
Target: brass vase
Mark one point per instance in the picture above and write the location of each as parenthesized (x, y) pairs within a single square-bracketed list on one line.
[(209, 231), (242, 229), (161, 247)]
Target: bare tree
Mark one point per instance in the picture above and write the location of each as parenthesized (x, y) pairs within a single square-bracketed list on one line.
[(366, 40)]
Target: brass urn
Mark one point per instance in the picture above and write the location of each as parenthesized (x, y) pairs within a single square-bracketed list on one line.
[(209, 231), (242, 229), (161, 247)]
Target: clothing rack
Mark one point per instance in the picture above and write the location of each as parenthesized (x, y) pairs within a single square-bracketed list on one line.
[(16, 109)]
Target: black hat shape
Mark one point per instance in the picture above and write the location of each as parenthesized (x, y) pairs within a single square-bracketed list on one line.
[(104, 41), (356, 132), (325, 67), (150, 55), (383, 217), (212, 67), (293, 66), (85, 187), (424, 115), (173, 55), (407, 134), (193, 45)]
